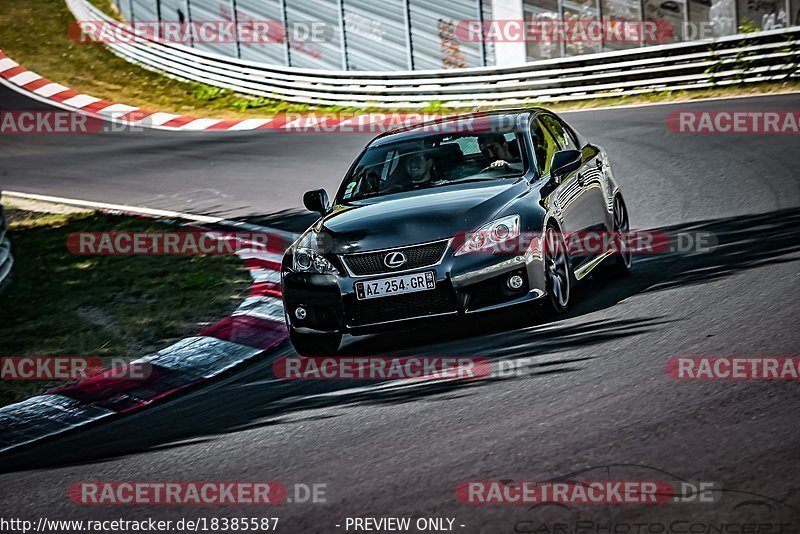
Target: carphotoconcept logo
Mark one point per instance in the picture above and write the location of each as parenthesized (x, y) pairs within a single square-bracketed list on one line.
[(626, 498)]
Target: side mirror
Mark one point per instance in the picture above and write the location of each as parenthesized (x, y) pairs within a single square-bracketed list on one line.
[(316, 200), (565, 162)]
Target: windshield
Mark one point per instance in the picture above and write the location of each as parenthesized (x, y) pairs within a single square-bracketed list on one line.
[(433, 161)]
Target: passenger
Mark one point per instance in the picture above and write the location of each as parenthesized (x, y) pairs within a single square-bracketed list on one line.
[(495, 147)]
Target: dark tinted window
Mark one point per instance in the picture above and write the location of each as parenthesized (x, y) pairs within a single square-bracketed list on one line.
[(433, 161), (544, 146), (563, 135)]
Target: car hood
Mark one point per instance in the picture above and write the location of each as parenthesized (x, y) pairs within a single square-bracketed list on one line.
[(417, 216)]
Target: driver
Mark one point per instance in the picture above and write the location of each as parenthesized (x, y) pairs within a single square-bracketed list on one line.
[(416, 169), (495, 147), (419, 165)]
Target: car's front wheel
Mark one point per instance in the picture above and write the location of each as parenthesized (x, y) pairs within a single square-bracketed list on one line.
[(558, 275), (314, 344)]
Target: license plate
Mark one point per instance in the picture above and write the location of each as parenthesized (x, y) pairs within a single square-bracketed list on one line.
[(397, 285)]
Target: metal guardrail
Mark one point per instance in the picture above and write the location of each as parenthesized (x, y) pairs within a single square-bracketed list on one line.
[(757, 57)]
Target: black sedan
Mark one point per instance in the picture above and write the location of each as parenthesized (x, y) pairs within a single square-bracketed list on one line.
[(450, 218)]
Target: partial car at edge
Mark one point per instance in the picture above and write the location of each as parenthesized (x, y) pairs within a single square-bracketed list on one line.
[(6, 259)]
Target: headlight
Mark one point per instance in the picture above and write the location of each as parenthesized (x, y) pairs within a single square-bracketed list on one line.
[(307, 258), (491, 236)]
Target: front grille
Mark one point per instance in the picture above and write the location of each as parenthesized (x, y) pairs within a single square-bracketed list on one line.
[(398, 307), (367, 263)]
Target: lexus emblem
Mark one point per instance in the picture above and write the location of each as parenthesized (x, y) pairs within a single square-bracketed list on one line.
[(393, 260)]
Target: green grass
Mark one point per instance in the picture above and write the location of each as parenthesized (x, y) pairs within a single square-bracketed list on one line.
[(679, 96), (34, 33), (115, 307)]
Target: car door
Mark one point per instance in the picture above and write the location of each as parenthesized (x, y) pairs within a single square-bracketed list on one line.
[(586, 209), (566, 199)]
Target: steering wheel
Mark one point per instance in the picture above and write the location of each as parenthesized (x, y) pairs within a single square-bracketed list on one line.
[(505, 165)]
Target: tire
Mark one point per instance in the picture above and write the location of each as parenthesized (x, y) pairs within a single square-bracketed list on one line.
[(621, 266), (558, 276), (315, 344)]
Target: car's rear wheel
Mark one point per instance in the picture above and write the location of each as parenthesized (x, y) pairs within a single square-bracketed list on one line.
[(558, 275), (315, 344), (623, 256)]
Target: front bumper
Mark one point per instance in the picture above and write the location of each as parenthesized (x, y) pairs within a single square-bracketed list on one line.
[(466, 284)]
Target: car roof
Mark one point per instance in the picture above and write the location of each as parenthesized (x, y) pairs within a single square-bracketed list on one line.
[(493, 119)]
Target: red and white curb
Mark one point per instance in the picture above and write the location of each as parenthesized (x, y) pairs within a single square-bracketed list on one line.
[(30, 84), (26, 82), (256, 326)]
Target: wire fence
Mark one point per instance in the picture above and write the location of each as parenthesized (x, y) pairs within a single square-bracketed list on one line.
[(738, 59)]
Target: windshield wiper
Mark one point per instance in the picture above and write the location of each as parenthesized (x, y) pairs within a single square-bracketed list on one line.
[(482, 179)]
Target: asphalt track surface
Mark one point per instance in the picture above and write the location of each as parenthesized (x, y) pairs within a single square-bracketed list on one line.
[(594, 398)]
